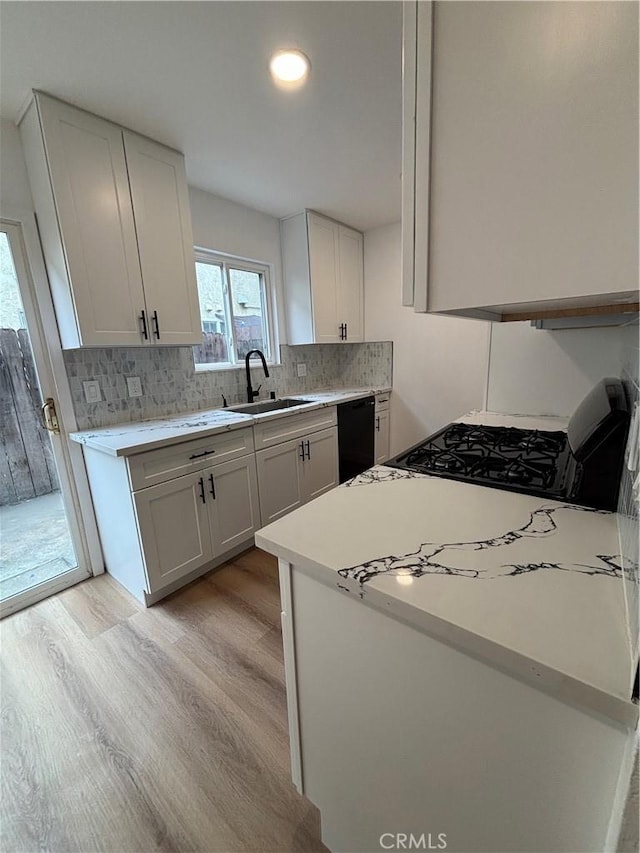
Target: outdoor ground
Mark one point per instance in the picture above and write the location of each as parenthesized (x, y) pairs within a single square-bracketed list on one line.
[(34, 543)]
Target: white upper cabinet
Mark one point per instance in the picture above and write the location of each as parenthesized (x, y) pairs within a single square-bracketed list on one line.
[(160, 198), (533, 153), (324, 270), (116, 231), (351, 289), (323, 279)]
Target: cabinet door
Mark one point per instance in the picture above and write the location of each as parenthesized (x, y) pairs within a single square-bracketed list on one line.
[(279, 484), (320, 468), (165, 240), (324, 270), (88, 175), (351, 288), (534, 156), (173, 522), (234, 511), (382, 437)]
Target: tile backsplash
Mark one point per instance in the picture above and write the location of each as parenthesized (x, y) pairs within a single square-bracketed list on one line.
[(170, 383), (628, 502)]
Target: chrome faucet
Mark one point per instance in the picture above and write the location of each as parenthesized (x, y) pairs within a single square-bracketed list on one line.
[(251, 394)]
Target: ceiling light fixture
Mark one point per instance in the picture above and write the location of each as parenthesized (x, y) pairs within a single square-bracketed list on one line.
[(289, 68)]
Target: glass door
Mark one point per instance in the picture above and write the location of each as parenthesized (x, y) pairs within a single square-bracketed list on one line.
[(41, 545)]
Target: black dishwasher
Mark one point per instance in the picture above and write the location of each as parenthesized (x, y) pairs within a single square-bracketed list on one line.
[(355, 437)]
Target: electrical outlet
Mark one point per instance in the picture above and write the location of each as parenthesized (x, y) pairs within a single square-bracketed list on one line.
[(302, 369), (92, 393), (134, 386)]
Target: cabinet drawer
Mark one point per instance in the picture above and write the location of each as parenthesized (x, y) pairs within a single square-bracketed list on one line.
[(383, 402), (156, 466), (294, 426)]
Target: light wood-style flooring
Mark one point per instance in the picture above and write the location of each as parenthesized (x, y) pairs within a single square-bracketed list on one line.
[(126, 729)]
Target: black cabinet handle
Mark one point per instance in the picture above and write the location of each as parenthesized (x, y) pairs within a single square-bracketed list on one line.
[(213, 486), (202, 496), (308, 450), (343, 331), (200, 455), (302, 450), (143, 317), (156, 324), (346, 335)]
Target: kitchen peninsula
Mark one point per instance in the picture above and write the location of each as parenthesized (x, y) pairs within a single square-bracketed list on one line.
[(457, 662)]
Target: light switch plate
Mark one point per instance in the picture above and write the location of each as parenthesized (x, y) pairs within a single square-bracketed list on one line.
[(92, 393), (134, 386), (302, 369)]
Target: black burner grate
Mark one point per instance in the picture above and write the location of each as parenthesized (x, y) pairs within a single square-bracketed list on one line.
[(502, 456)]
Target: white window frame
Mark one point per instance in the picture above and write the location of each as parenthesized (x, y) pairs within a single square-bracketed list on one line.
[(207, 256)]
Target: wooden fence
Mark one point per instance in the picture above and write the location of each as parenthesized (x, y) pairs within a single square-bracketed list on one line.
[(27, 467), (214, 345)]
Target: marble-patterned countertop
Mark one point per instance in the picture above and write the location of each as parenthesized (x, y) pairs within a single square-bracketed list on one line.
[(547, 423), (136, 437), (528, 585)]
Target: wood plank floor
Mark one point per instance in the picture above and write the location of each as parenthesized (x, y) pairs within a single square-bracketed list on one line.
[(126, 729)]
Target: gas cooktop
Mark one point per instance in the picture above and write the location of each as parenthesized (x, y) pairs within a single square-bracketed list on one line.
[(582, 465), (503, 457)]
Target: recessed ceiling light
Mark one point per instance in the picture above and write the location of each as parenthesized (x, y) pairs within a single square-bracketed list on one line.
[(289, 68)]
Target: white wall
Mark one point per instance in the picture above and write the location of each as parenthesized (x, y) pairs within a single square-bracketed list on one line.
[(541, 372), (16, 195), (439, 363), (231, 228)]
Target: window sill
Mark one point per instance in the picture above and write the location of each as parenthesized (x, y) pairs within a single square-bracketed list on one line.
[(221, 368)]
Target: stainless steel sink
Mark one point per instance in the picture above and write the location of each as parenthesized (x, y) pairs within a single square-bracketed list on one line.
[(268, 406)]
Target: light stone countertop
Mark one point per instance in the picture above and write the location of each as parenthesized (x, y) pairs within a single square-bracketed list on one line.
[(528, 585), (137, 437)]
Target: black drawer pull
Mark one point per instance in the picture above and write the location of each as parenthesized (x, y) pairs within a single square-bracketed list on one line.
[(213, 486), (156, 324), (308, 450), (302, 450), (143, 317), (202, 495), (378, 423), (200, 455)]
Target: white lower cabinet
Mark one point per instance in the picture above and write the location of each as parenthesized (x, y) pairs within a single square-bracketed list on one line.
[(279, 479), (191, 520), (297, 471), (382, 427), (231, 491), (163, 535), (320, 467), (381, 451), (174, 525)]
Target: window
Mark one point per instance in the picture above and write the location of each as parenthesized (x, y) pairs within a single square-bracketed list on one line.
[(234, 300)]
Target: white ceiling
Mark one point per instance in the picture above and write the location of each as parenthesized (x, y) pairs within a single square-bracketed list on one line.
[(194, 75)]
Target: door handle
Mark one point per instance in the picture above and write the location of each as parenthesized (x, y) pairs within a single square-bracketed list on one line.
[(213, 486), (346, 335), (378, 423), (156, 324), (308, 450), (202, 494), (143, 318), (302, 450), (50, 416)]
